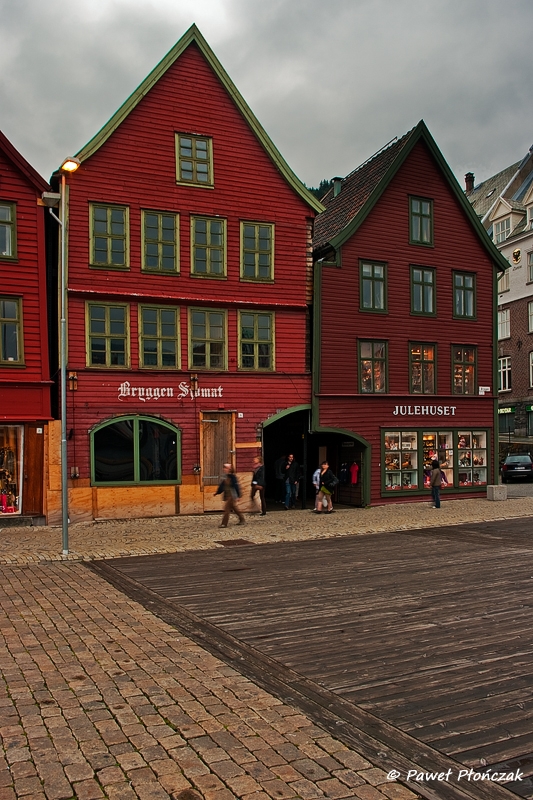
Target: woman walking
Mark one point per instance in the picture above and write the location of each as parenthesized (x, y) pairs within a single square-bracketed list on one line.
[(328, 481)]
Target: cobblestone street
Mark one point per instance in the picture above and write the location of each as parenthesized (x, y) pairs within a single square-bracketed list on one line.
[(100, 698)]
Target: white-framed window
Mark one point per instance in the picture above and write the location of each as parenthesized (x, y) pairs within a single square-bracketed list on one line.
[(531, 370), (502, 229), (530, 317), (530, 217), (530, 266), (503, 281), (504, 374), (504, 323)]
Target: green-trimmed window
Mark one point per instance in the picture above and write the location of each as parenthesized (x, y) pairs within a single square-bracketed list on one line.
[(464, 295), (373, 367), (420, 221), (257, 251), (256, 341), (159, 337), (194, 159), (464, 369), (422, 364), (8, 231), (132, 450), (11, 350), (160, 242), (373, 282), (109, 236), (207, 339), (208, 247), (423, 291), (107, 335)]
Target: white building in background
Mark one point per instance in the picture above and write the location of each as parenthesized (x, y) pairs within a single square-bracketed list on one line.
[(505, 205)]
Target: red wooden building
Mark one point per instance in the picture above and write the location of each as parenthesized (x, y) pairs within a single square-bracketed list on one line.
[(405, 294), (189, 288), (24, 371)]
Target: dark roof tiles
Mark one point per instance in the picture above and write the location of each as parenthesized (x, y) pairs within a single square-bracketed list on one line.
[(356, 188)]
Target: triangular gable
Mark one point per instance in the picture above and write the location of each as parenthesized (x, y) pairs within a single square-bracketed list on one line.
[(501, 209), (23, 166), (193, 35), (420, 133)]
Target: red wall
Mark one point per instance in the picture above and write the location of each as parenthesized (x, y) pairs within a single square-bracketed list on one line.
[(25, 390), (384, 236), (136, 167)]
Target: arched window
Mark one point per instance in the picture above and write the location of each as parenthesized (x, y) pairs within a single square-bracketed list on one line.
[(135, 450)]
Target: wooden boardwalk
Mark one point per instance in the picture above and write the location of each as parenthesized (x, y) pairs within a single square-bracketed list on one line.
[(420, 641)]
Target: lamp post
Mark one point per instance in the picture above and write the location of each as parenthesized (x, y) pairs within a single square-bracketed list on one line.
[(51, 199)]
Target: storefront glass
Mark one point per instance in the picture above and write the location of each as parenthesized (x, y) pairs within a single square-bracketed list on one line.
[(11, 437), (408, 455), (135, 450), (401, 460)]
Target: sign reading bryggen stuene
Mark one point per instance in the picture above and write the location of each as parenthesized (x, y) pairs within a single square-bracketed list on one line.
[(184, 389), (424, 411)]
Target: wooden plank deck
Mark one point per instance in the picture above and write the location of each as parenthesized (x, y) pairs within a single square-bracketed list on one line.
[(424, 637)]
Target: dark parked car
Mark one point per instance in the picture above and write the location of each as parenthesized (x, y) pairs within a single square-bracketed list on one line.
[(519, 466)]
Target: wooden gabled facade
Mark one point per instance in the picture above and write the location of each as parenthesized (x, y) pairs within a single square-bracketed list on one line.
[(404, 326), (24, 363), (189, 284)]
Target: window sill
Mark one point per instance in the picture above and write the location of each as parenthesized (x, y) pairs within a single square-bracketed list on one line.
[(110, 267), (208, 276)]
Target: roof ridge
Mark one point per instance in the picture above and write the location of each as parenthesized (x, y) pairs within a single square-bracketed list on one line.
[(190, 37)]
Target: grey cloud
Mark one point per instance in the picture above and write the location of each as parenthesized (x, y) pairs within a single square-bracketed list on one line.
[(331, 82)]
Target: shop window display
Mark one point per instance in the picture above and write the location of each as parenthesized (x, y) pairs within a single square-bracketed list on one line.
[(401, 460), (408, 455), (438, 445), (472, 458), (10, 468)]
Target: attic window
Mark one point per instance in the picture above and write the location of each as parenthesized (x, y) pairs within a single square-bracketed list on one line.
[(194, 160), (502, 230), (489, 194)]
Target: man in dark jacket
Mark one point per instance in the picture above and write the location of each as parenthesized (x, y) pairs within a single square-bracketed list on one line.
[(258, 483), (292, 478), (231, 491)]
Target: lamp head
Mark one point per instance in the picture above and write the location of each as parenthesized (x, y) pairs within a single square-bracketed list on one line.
[(70, 164)]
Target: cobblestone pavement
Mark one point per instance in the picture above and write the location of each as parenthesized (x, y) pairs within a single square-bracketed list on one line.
[(115, 538), (101, 699)]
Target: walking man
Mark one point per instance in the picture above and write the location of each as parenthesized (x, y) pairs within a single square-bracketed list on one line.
[(231, 491)]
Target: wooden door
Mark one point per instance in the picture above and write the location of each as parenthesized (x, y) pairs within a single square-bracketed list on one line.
[(218, 436), (33, 470)]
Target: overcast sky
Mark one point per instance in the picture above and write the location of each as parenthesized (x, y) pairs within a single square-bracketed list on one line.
[(331, 81)]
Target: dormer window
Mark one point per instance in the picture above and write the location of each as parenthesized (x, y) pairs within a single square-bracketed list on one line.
[(502, 229), (530, 217)]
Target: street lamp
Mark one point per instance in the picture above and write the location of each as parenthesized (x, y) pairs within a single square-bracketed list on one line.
[(51, 199)]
